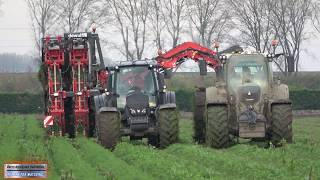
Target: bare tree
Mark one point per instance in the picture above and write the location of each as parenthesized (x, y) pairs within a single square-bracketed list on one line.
[(131, 20), (253, 19), (76, 14), (290, 18), (43, 16), (316, 15), (174, 12), (157, 22), (209, 19)]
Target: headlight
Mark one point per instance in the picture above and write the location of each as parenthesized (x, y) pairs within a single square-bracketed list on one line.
[(133, 112), (138, 112)]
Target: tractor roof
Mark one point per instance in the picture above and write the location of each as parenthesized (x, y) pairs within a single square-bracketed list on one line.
[(147, 62)]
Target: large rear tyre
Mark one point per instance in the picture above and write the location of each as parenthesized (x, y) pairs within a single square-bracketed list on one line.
[(199, 116), (108, 127), (217, 132), (153, 140), (69, 117), (92, 120), (168, 127), (281, 125)]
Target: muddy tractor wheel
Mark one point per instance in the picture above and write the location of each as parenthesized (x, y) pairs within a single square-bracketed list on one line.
[(168, 127), (199, 124), (69, 117), (92, 119), (199, 117), (217, 132), (108, 127), (153, 140), (281, 128)]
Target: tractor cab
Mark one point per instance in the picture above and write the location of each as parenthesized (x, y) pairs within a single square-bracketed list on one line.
[(247, 69), (134, 79), (247, 77), (128, 79)]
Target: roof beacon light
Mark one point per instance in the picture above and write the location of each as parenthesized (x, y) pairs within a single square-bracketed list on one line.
[(274, 42), (94, 27), (216, 44)]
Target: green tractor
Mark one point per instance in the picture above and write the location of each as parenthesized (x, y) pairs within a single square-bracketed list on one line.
[(246, 102), (136, 104)]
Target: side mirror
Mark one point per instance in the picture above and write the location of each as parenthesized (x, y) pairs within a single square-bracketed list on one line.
[(223, 59), (167, 73), (202, 67), (270, 57), (161, 81)]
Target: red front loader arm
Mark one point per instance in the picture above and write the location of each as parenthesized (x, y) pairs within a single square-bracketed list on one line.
[(187, 50)]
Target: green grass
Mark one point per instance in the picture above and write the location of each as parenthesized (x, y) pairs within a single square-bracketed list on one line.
[(23, 139)]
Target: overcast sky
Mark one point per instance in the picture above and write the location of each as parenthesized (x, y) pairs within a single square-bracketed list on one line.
[(16, 35)]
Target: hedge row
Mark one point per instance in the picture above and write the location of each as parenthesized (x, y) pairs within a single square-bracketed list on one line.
[(33, 103), (301, 99), (21, 103), (305, 99)]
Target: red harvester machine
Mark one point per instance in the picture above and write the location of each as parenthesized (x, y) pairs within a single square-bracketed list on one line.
[(71, 70)]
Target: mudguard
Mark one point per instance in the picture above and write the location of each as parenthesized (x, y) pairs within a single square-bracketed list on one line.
[(168, 97), (99, 102), (168, 106), (280, 93), (216, 95), (168, 100), (108, 109)]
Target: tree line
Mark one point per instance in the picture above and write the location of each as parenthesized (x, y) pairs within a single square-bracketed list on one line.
[(136, 29), (14, 63)]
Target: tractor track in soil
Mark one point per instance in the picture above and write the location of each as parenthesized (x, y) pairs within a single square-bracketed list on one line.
[(23, 139)]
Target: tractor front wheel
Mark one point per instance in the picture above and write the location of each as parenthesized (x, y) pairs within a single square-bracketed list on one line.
[(217, 132), (168, 127), (108, 127), (281, 125), (199, 116)]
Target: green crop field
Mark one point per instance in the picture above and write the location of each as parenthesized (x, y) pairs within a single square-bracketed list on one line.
[(23, 139)]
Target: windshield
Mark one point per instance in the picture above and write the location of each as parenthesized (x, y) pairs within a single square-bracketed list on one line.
[(135, 78), (245, 69)]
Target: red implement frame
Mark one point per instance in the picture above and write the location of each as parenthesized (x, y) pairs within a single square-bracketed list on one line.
[(79, 61), (72, 71), (187, 50), (54, 59)]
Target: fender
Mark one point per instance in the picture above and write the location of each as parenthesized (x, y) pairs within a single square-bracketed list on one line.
[(99, 102), (280, 93), (168, 106), (108, 109), (168, 97), (216, 95), (168, 101)]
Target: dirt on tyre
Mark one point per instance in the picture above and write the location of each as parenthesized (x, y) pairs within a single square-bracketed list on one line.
[(108, 127), (168, 127), (92, 120), (153, 140), (281, 125), (217, 132), (199, 115), (199, 124)]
